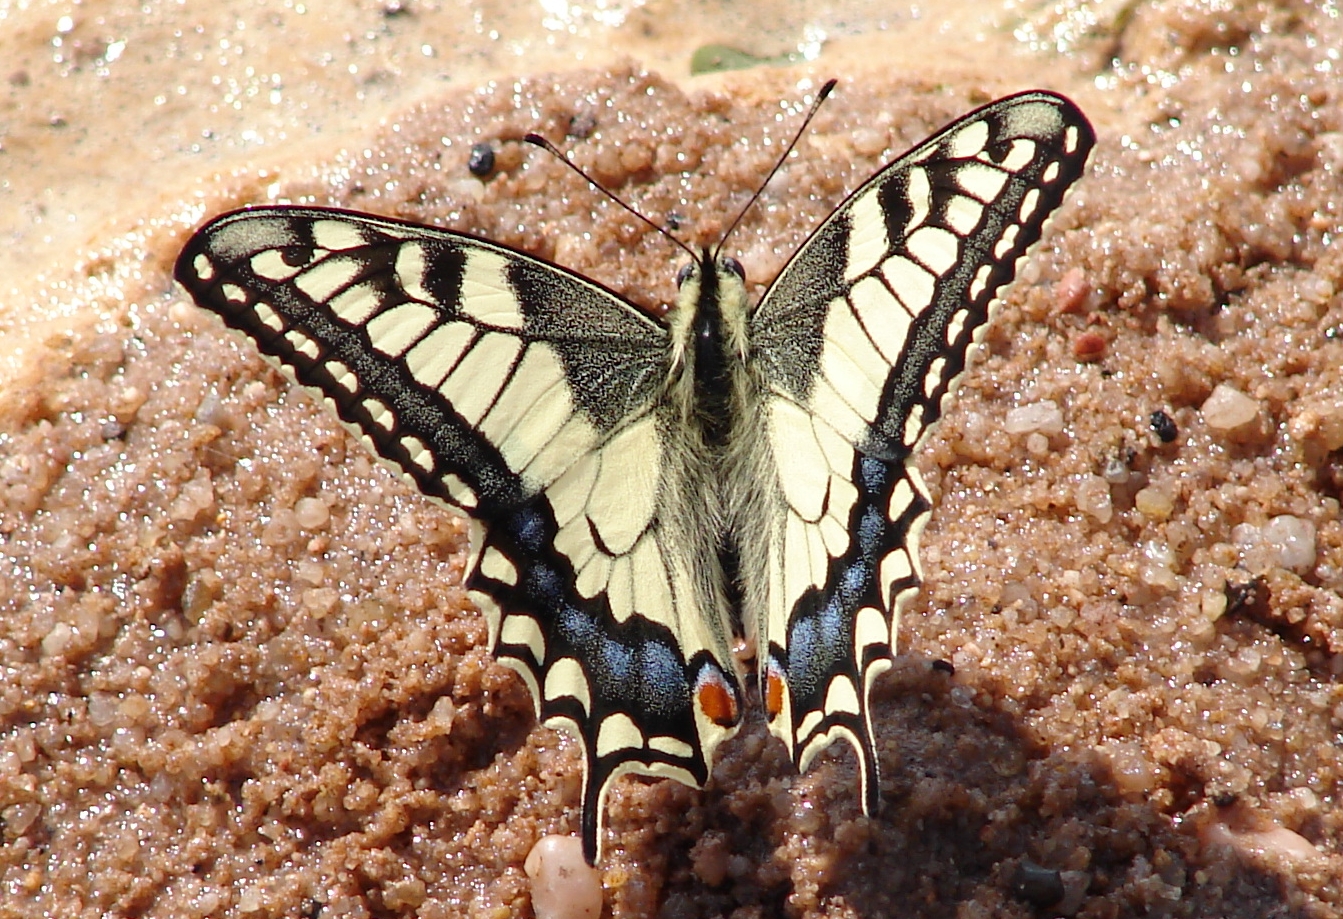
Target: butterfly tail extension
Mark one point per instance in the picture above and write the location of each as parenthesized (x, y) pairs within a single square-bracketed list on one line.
[(861, 342)]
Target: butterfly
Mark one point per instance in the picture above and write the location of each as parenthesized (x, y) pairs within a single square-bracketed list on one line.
[(641, 491)]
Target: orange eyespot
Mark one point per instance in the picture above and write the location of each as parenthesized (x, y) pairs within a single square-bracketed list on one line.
[(773, 692), (716, 698)]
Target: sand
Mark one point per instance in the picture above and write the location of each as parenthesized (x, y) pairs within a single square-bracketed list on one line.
[(239, 675)]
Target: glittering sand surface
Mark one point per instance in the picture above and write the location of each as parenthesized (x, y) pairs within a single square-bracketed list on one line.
[(239, 677)]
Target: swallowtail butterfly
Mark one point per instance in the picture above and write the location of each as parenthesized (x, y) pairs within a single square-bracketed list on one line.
[(640, 490)]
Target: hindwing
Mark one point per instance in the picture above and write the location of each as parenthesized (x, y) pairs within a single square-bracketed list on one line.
[(858, 346)]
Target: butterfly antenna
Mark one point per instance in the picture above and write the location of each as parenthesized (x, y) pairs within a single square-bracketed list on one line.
[(537, 140), (811, 113)]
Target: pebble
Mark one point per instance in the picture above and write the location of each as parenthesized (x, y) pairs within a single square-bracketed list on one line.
[(1044, 417), (1228, 408)]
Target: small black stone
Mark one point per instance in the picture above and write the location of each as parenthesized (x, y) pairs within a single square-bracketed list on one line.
[(946, 667), (1036, 884), (1164, 426), (481, 161)]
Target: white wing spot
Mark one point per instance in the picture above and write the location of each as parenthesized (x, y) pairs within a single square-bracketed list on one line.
[(963, 214), (980, 282), (303, 344), (870, 629), (410, 264), (270, 265), (969, 141), (672, 746), (204, 268), (935, 247), (622, 501), (337, 235), (355, 305), (324, 279), (955, 325), (1020, 155), (911, 282), (896, 569), (1006, 241), (1029, 202), (981, 181), (934, 377), (914, 425), (418, 452), (233, 293), (842, 696), (393, 331), (342, 376), (433, 358), (486, 295), (919, 193), (802, 466), (868, 242), (269, 318), (380, 414), (809, 723), (525, 631), (499, 567), (459, 490), (566, 679), (466, 386), (902, 496), (618, 732), (1050, 173)]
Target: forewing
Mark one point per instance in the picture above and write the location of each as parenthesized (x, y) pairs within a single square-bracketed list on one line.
[(859, 344), (531, 399)]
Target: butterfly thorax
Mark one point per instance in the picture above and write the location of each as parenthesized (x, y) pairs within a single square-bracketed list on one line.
[(708, 326)]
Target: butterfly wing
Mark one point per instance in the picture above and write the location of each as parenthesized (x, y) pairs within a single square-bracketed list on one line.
[(532, 400), (859, 343)]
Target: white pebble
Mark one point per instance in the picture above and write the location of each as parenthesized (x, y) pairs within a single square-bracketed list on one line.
[(564, 886), (1155, 502), (312, 513), (1227, 408), (1158, 567), (1093, 498), (1293, 538), (1045, 417), (1283, 542), (57, 640)]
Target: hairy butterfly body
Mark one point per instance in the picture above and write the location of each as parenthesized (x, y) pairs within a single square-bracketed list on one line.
[(637, 486)]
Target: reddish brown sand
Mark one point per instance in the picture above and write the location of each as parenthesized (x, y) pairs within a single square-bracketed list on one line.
[(238, 675)]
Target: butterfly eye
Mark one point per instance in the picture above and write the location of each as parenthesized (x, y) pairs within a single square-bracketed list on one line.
[(734, 267), (684, 274)]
